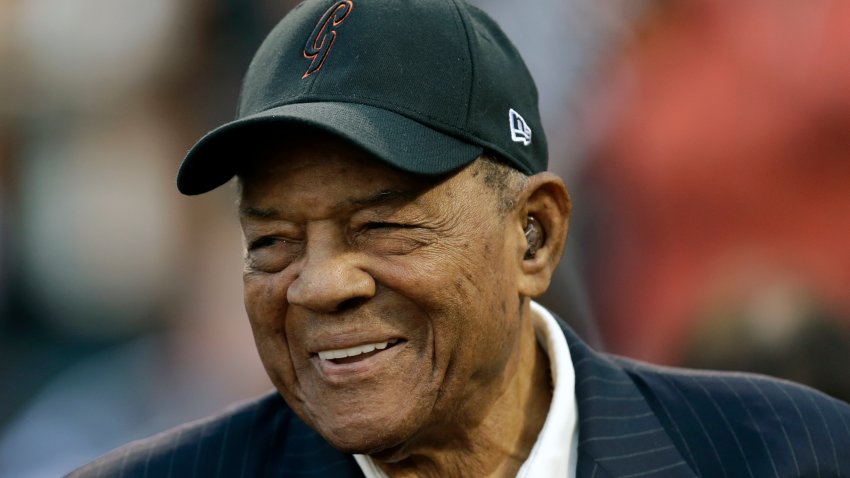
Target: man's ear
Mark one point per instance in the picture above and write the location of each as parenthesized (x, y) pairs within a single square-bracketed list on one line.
[(545, 218)]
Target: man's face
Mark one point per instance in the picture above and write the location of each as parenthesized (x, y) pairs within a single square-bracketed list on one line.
[(416, 280)]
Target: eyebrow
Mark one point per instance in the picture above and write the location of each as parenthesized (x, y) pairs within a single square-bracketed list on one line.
[(382, 197), (259, 213)]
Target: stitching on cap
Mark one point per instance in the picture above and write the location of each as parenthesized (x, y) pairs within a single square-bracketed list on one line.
[(369, 101)]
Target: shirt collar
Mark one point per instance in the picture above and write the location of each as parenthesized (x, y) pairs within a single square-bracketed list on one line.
[(560, 430), (556, 451)]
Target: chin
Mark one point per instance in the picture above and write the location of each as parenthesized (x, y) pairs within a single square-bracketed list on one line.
[(368, 423), (364, 440), (379, 430)]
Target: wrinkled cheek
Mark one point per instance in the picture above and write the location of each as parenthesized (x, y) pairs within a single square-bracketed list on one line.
[(265, 307), (265, 304)]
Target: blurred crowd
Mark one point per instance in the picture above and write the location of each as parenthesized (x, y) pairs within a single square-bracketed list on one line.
[(706, 144), (719, 175)]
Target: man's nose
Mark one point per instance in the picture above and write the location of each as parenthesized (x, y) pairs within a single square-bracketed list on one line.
[(330, 281)]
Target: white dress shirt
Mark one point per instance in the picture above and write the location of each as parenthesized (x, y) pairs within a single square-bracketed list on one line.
[(555, 453)]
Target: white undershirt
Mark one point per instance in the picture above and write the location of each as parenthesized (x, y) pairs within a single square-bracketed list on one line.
[(555, 453)]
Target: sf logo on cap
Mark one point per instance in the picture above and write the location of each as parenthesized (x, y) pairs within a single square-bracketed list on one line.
[(322, 39), (520, 131)]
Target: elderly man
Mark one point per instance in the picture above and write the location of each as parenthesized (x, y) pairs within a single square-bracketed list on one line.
[(398, 220)]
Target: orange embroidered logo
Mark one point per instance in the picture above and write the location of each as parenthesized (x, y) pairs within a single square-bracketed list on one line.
[(322, 39)]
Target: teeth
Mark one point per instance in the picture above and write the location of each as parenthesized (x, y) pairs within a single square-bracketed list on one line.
[(351, 352)]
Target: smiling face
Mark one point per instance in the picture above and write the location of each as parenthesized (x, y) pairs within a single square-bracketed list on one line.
[(385, 308)]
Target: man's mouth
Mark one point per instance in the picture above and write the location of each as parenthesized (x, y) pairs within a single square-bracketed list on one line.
[(356, 353)]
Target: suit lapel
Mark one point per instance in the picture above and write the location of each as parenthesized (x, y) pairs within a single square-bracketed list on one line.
[(619, 434)]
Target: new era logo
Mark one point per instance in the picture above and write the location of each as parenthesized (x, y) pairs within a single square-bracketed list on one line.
[(520, 131)]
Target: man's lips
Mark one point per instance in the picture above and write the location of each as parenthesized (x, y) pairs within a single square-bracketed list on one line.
[(356, 362), (355, 351)]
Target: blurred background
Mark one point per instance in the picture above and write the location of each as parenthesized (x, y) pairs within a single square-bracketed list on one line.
[(706, 145)]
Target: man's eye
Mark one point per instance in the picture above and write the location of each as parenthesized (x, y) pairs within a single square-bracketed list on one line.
[(384, 225), (263, 242), (390, 226), (390, 238), (271, 253)]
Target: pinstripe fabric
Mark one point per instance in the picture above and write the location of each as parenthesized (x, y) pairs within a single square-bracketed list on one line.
[(619, 433), (743, 425), (257, 439), (641, 420), (635, 420)]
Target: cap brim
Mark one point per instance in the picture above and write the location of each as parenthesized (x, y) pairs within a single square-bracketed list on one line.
[(391, 137)]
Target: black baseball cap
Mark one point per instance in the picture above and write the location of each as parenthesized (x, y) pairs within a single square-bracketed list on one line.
[(425, 85)]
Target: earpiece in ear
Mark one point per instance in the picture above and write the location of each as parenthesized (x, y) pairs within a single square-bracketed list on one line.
[(534, 236)]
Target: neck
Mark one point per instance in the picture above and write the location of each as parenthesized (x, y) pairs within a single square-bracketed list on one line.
[(499, 444)]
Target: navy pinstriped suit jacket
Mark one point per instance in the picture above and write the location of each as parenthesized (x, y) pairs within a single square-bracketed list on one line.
[(635, 420)]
